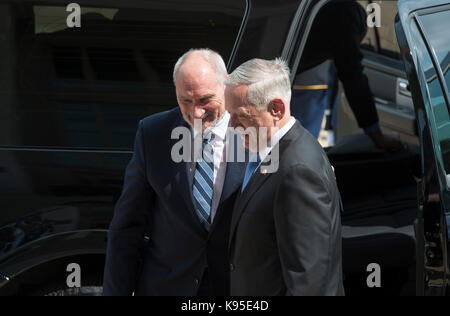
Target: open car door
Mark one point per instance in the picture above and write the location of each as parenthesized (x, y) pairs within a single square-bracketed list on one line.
[(423, 33)]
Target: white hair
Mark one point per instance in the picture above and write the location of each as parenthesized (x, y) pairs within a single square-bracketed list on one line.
[(266, 80), (212, 57)]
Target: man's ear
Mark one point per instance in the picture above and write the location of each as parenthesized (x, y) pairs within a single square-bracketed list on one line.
[(277, 109)]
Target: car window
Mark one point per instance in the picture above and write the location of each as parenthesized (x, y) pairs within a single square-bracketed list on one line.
[(370, 40), (89, 86), (383, 39), (388, 39), (435, 27)]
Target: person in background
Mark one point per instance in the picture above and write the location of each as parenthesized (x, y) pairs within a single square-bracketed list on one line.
[(336, 35)]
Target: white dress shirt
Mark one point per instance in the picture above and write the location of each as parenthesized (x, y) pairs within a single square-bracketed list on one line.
[(264, 152), (220, 164)]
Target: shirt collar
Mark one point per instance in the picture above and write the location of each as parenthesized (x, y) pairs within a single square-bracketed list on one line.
[(220, 129), (275, 139)]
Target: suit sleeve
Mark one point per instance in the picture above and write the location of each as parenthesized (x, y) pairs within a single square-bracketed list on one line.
[(126, 232), (303, 227)]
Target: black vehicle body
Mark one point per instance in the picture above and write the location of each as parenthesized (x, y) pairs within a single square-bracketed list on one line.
[(422, 32), (72, 97)]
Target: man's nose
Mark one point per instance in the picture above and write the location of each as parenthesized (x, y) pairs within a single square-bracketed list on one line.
[(198, 112)]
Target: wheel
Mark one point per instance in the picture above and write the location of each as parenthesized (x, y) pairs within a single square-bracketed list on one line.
[(82, 291), (90, 286)]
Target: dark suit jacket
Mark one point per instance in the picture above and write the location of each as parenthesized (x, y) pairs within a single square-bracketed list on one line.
[(157, 201), (285, 234)]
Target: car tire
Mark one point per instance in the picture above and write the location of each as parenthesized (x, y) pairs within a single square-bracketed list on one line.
[(91, 286)]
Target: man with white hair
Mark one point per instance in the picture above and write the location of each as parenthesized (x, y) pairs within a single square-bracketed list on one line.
[(182, 209), (285, 236)]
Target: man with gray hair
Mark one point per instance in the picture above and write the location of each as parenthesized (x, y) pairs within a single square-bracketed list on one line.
[(169, 234), (285, 236)]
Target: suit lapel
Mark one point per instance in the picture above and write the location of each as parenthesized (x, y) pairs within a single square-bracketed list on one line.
[(243, 198), (235, 170), (233, 177), (259, 178), (233, 181)]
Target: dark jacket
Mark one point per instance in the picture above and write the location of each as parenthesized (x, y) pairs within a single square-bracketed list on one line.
[(285, 234), (157, 201)]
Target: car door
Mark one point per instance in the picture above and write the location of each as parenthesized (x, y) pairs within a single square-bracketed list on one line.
[(423, 32)]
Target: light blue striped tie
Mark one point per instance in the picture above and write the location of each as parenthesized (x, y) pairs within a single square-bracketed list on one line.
[(203, 184)]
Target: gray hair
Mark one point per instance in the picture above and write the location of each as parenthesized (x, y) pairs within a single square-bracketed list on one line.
[(212, 57), (266, 80)]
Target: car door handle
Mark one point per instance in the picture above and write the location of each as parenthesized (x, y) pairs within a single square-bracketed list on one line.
[(404, 88)]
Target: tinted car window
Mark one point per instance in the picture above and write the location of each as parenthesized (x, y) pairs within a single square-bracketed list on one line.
[(388, 39), (89, 86), (435, 27), (370, 40), (383, 39), (267, 30)]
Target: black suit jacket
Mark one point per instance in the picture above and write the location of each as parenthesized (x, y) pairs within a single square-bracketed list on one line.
[(285, 234), (157, 201)]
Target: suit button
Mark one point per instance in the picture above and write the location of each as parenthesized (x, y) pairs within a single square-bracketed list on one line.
[(231, 267)]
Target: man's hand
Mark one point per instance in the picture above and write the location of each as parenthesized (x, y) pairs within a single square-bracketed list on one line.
[(386, 142)]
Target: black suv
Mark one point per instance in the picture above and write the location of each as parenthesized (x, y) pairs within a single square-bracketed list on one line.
[(71, 99)]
